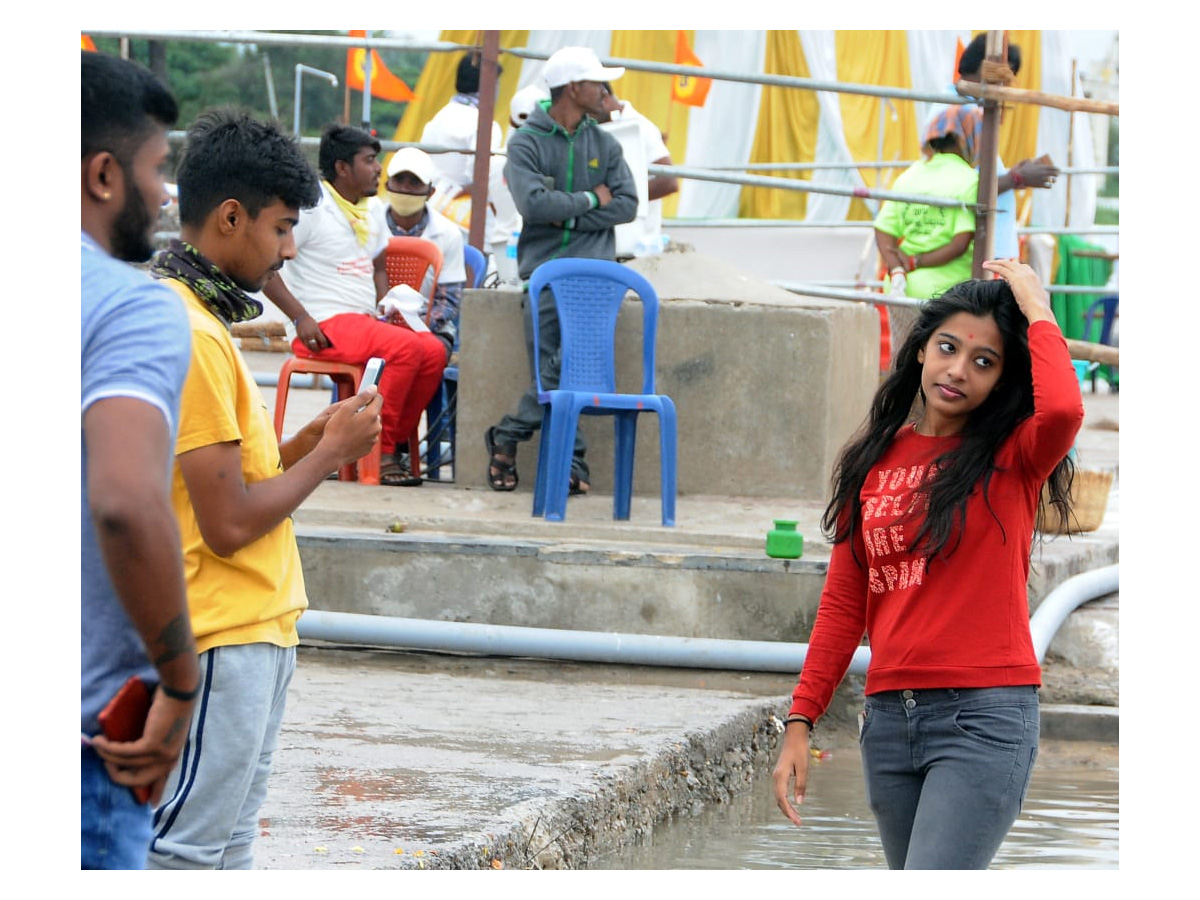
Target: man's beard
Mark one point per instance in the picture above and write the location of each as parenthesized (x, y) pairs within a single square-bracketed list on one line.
[(132, 238)]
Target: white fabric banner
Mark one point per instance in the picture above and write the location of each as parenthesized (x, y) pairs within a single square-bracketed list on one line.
[(1067, 146), (821, 54), (721, 132)]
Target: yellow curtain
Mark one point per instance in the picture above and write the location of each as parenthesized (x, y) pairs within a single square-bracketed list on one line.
[(1019, 124), (650, 92), (786, 132), (877, 58)]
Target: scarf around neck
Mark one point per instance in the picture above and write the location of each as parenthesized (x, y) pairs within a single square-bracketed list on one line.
[(355, 212), (183, 262)]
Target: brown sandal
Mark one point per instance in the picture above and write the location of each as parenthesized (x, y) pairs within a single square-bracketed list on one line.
[(395, 471), (578, 487), (502, 476)]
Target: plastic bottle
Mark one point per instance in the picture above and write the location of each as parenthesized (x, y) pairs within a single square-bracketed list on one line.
[(511, 274), (784, 541)]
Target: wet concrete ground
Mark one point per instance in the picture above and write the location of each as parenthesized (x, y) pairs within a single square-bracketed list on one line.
[(392, 759)]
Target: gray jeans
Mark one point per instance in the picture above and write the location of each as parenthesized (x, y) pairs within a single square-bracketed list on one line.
[(947, 771), (519, 426)]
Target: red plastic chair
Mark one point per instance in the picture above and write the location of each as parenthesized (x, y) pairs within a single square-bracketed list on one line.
[(346, 377)]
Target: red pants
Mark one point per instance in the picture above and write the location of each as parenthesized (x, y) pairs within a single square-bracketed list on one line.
[(411, 376)]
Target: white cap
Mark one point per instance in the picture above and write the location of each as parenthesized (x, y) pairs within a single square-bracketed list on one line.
[(577, 64), (412, 159), (524, 101)]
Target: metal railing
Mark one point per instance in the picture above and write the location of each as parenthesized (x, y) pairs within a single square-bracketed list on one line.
[(713, 174)]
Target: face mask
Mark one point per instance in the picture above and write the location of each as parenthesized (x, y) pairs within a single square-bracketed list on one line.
[(406, 204)]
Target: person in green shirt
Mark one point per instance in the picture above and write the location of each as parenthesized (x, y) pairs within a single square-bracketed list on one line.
[(929, 248)]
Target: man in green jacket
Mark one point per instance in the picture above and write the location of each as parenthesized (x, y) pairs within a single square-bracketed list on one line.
[(572, 187)]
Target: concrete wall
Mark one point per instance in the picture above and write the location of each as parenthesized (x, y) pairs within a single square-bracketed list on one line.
[(535, 584), (813, 253), (767, 385)]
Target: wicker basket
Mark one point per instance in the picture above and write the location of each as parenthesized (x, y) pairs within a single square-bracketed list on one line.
[(1089, 500)]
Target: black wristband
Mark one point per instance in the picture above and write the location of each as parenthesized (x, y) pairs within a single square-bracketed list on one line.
[(183, 696), (797, 718)]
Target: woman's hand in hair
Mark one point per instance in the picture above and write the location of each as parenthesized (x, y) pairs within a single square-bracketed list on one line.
[(1026, 287)]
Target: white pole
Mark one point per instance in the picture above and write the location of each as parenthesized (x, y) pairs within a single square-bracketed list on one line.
[(301, 70)]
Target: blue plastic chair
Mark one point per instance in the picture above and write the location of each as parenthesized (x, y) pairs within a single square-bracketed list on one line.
[(1106, 309), (440, 412), (588, 294), (476, 264)]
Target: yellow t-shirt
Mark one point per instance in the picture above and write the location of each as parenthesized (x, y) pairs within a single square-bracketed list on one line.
[(256, 595)]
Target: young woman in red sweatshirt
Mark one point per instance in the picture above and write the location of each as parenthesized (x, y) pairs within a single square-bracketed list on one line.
[(932, 522)]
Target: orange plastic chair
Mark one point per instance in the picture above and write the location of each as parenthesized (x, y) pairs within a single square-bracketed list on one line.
[(346, 376), (409, 260)]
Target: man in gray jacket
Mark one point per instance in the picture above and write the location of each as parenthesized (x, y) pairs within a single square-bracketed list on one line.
[(570, 183)]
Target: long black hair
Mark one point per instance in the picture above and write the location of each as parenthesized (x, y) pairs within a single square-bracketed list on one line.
[(973, 461)]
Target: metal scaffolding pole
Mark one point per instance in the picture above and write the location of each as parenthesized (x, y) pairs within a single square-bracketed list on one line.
[(488, 66), (791, 184)]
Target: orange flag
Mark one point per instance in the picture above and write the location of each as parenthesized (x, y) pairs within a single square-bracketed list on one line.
[(384, 84), (688, 88), (86, 43), (958, 52)]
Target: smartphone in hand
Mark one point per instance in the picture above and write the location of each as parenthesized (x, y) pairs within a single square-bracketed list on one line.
[(372, 373), (124, 719)]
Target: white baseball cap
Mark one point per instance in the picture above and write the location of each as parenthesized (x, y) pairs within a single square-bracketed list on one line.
[(577, 64), (412, 159), (524, 101)]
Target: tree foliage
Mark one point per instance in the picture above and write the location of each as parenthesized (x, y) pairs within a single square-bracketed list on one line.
[(204, 74)]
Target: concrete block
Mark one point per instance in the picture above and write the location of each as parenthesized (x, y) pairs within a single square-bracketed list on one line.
[(768, 385), (544, 585)]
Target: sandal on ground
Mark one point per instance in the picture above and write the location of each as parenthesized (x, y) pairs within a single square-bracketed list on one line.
[(502, 476), (578, 487), (396, 471)]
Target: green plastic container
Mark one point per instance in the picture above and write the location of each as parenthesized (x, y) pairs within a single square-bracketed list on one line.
[(784, 541)]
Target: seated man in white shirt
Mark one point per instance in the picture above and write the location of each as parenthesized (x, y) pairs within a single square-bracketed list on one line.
[(410, 176), (331, 288)]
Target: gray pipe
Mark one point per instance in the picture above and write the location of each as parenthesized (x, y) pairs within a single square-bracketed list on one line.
[(554, 643), (1061, 601), (643, 649)]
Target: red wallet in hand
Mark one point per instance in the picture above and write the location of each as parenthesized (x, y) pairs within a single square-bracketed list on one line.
[(124, 719)]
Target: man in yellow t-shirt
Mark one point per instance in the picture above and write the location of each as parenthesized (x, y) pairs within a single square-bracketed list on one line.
[(242, 184)]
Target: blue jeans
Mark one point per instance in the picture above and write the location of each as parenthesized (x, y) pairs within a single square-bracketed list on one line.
[(114, 829), (947, 771)]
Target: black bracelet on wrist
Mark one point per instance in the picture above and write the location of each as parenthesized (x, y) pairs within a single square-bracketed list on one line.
[(798, 718), (182, 696)]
